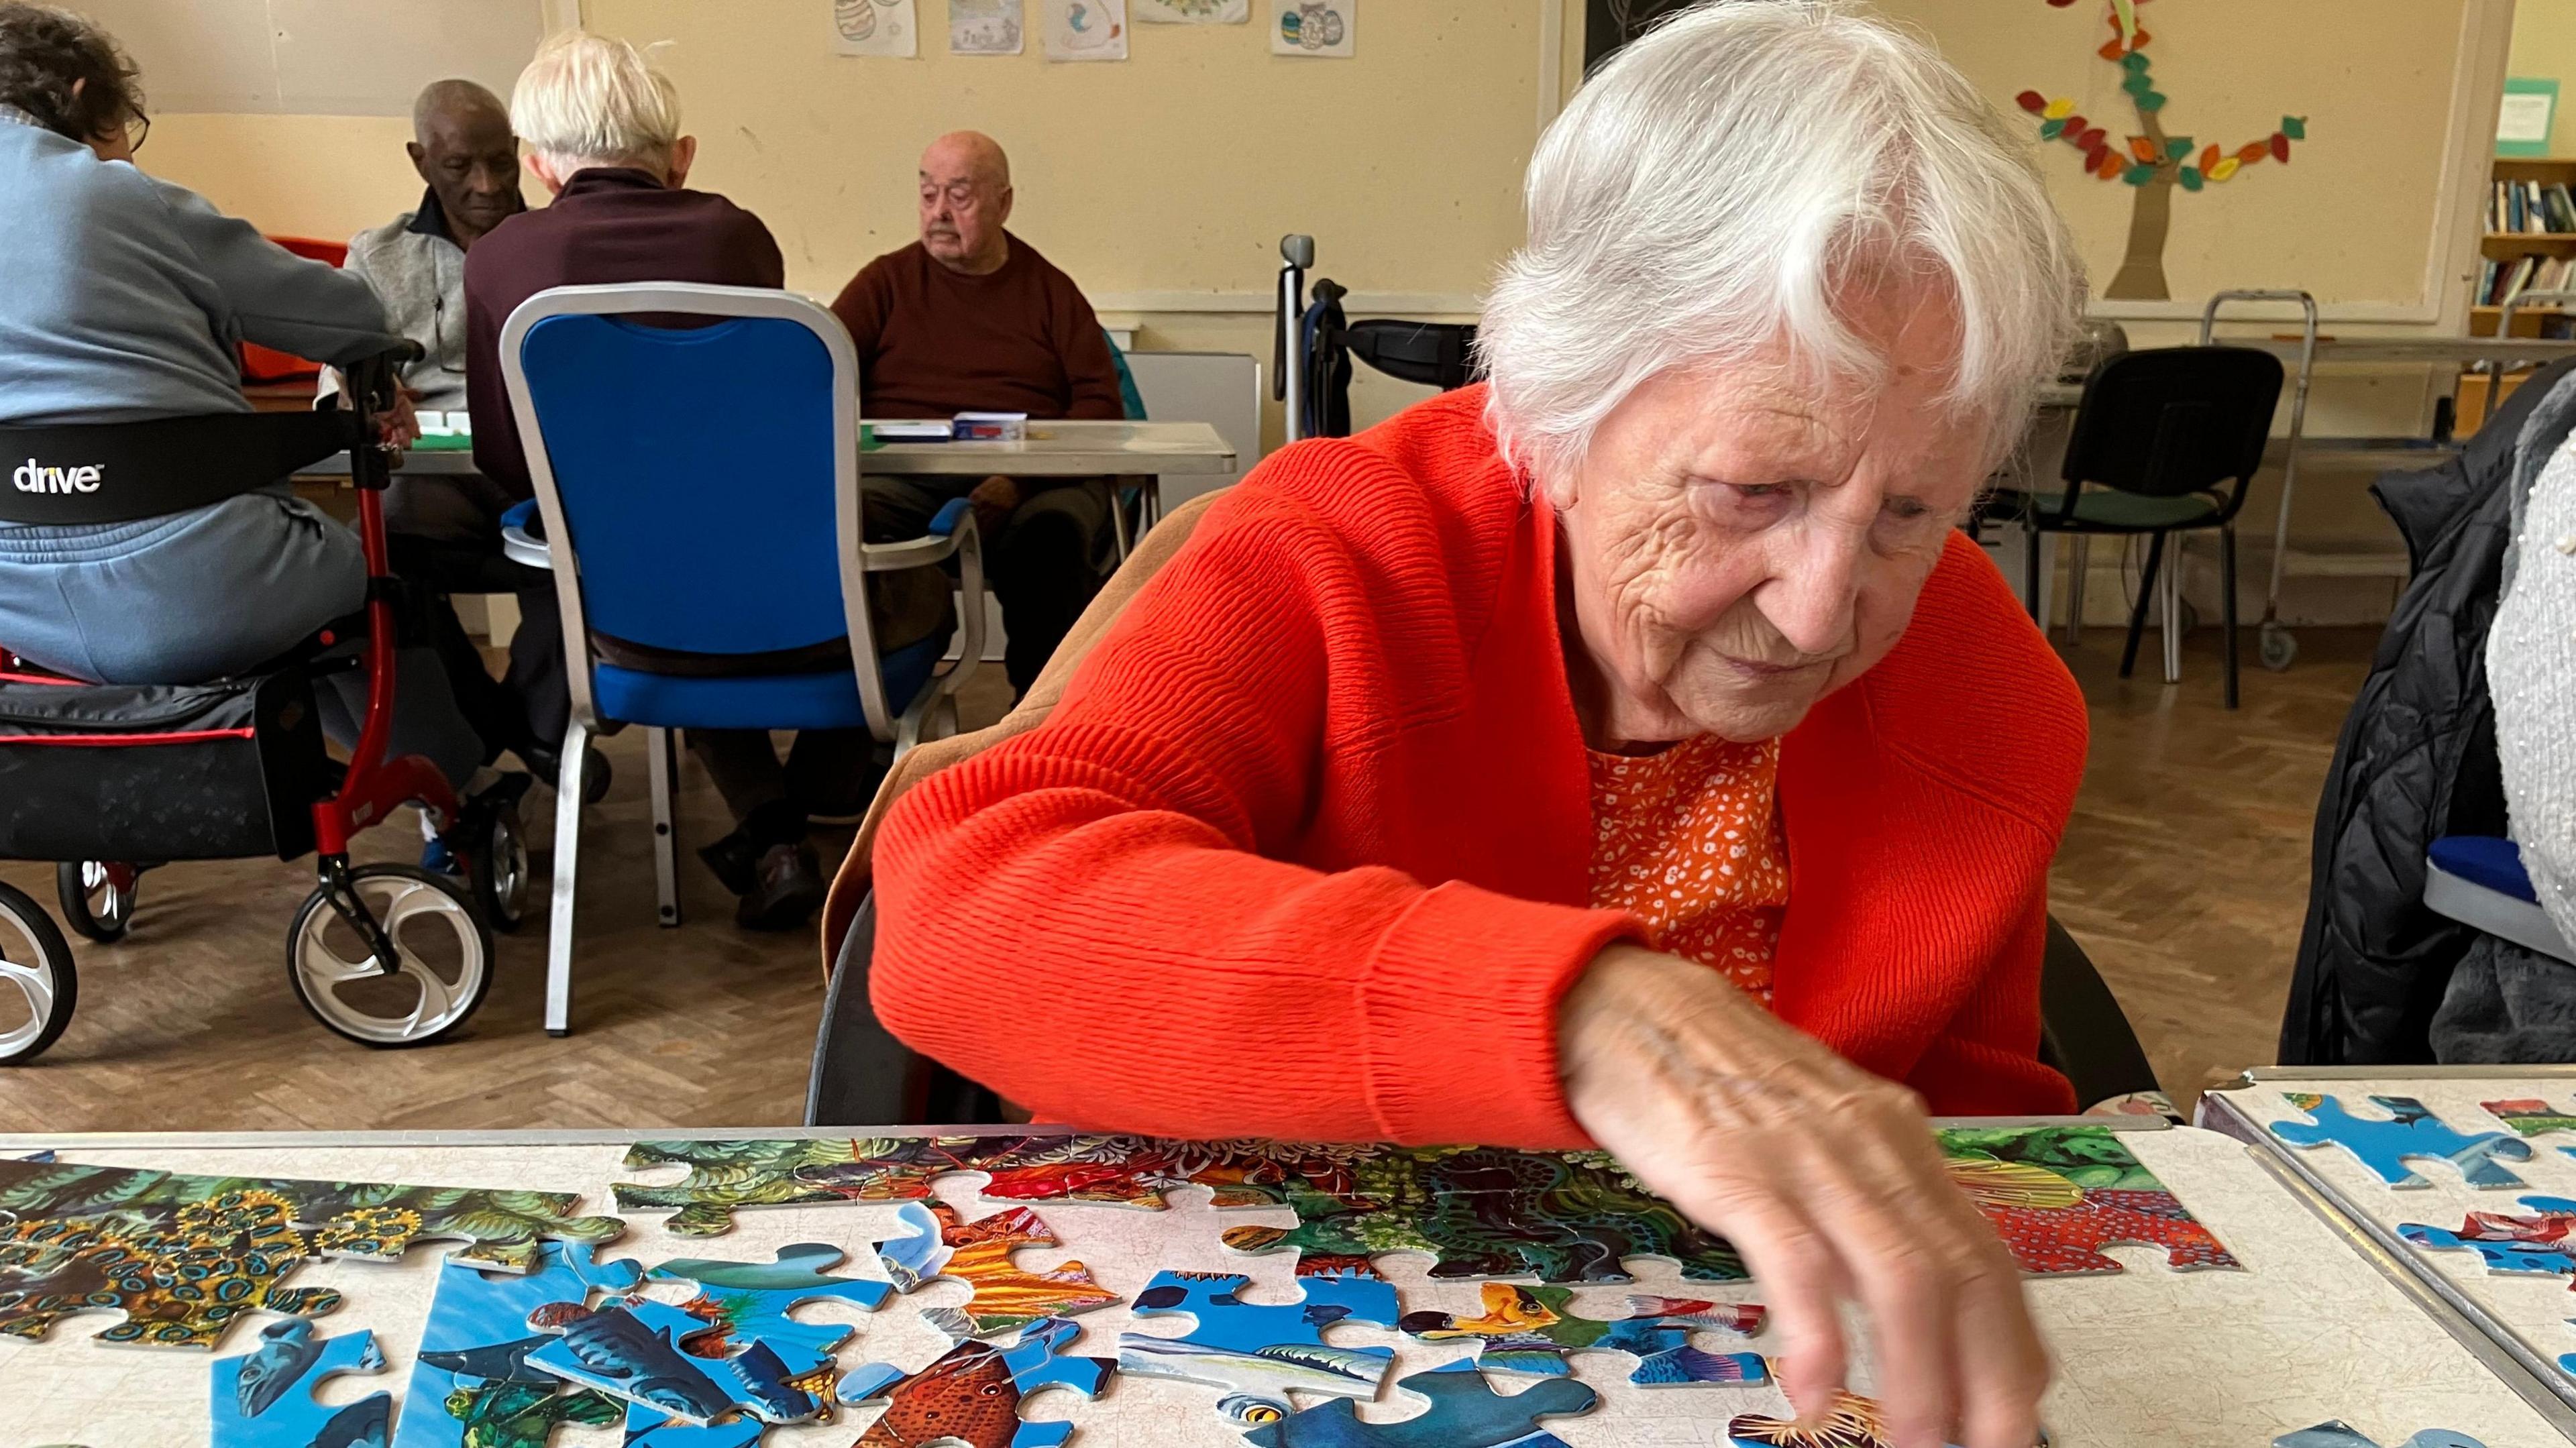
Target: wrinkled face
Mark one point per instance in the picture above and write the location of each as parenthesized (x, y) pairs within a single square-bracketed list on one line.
[(963, 207), (1741, 543), (471, 161)]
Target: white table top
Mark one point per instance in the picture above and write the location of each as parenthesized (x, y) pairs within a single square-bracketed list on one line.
[(2311, 1330), (1065, 450)]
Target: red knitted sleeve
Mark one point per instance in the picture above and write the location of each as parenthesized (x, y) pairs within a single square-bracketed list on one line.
[(1101, 919)]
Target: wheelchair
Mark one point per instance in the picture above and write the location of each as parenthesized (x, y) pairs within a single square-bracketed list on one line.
[(110, 780)]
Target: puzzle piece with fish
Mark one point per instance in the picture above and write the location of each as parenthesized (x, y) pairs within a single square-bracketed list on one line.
[(1532, 1330), (2412, 1133), (629, 1349), (937, 1245), (1258, 1351), (2535, 1245), (180, 1285), (739, 1303), (2530, 1116), (264, 1398), (646, 1428), (1852, 1422), (470, 1381), (972, 1393), (2336, 1433), (2058, 1195), (370, 1221), (1465, 1412)]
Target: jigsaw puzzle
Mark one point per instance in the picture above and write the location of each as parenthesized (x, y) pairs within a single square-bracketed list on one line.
[(1531, 1330), (364, 1220), (745, 1302), (2514, 1246), (978, 1253), (264, 1398), (471, 1386), (1465, 1412), (629, 1350), (2337, 1434), (1852, 1422), (2057, 1195), (1259, 1351), (972, 1394), (179, 1285), (646, 1428), (2411, 1133), (2532, 1117)]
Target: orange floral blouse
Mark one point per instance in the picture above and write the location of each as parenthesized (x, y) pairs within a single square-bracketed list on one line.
[(1689, 842)]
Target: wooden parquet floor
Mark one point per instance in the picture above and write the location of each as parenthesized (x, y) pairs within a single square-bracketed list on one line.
[(2184, 873)]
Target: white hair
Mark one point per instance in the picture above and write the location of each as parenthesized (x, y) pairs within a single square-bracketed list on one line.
[(589, 100), (1711, 191)]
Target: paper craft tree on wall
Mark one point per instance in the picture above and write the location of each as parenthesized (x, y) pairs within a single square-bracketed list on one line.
[(2151, 163)]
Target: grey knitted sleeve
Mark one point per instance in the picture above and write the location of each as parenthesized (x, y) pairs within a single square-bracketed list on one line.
[(2531, 670)]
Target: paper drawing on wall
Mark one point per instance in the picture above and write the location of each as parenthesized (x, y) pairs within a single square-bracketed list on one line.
[(875, 27), (2152, 163), (1193, 12), (1085, 29), (1313, 27), (984, 27)]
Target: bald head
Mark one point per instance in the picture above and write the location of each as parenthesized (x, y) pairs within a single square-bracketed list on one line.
[(965, 199), (462, 146)]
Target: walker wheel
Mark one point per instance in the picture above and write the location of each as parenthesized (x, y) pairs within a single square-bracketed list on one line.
[(2279, 646), (442, 952), (497, 865), (97, 897), (38, 986)]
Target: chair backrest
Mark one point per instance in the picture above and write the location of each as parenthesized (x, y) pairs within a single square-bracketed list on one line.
[(704, 477), (2174, 420), (1130, 401)]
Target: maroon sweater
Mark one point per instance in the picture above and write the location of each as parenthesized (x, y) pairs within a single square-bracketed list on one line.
[(609, 224), (934, 343)]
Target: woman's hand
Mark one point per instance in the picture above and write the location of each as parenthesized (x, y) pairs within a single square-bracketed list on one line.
[(1825, 1177)]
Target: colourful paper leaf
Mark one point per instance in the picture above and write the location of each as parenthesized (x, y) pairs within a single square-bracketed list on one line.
[(2208, 157), (2223, 169), (2295, 127), (2134, 63), (2108, 164), (2177, 147), (2190, 178), (2280, 148), (2031, 101), (2152, 101), (2137, 83), (2059, 109), (2138, 175), (2050, 130), (2253, 151), (2142, 148)]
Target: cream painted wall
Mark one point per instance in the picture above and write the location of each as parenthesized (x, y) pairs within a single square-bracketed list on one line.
[(321, 176), (2544, 45)]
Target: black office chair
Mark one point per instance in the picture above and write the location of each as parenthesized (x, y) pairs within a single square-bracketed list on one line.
[(863, 1076), (2165, 441)]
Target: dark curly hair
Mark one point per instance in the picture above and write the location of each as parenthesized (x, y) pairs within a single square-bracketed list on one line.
[(44, 52)]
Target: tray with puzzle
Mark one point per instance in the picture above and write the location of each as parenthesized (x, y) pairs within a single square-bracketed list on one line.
[(1027, 1288)]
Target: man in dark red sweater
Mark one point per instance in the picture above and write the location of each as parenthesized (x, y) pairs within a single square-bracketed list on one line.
[(971, 319)]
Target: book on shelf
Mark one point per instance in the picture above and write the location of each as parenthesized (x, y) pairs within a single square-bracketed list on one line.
[(2528, 208)]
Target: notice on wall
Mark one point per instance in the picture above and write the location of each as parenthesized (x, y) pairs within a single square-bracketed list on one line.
[(875, 27), (1085, 29), (984, 27), (1313, 27), (1193, 12)]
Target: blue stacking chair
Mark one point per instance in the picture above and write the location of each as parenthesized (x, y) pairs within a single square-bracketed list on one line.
[(700, 491), (2479, 880)]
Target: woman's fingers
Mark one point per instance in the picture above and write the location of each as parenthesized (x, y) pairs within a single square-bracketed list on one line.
[(1803, 1282), (2006, 1370)]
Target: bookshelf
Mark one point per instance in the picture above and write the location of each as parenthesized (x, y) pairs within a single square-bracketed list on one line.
[(2516, 257)]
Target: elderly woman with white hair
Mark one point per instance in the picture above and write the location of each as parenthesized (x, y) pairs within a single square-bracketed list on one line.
[(1628, 751)]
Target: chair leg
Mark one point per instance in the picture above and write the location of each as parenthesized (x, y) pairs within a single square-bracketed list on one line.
[(2079, 559), (2173, 614), (2227, 601), (662, 764), (576, 749), (2138, 614), (2030, 570)]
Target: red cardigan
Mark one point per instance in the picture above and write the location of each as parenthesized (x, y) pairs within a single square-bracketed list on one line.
[(1304, 850)]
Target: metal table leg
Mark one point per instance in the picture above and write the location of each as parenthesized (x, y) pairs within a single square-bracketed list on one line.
[(2278, 646)]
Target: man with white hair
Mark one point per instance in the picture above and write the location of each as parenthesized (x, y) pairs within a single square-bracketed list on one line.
[(603, 130)]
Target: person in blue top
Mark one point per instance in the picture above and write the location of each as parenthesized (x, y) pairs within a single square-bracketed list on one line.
[(127, 299)]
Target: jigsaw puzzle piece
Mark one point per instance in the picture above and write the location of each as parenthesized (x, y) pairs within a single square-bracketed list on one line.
[(629, 1350), (1852, 1422), (180, 1285), (2337, 1434), (972, 1393), (264, 1398), (743, 1302), (1259, 1351), (2058, 1195), (2412, 1133), (646, 1428), (471, 1383), (1465, 1412), (936, 1245), (1532, 1330)]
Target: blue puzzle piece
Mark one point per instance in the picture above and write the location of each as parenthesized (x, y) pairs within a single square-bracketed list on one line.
[(477, 1340), (2413, 1133), (745, 1302), (646, 1428), (1256, 1351), (630, 1350), (2337, 1434), (1465, 1412), (264, 1398), (972, 1379), (2506, 1257)]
